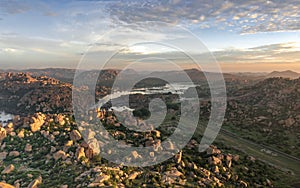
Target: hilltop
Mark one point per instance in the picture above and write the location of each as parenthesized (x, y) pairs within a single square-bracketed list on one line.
[(284, 74)]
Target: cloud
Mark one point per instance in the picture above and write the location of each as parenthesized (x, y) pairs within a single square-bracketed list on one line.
[(8, 7), (13, 7), (281, 53), (242, 16)]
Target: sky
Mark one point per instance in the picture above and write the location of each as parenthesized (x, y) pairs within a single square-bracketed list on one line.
[(241, 36)]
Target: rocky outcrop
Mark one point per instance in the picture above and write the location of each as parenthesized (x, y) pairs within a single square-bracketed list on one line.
[(37, 121)]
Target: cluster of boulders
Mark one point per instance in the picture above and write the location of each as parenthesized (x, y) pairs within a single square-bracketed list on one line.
[(64, 144)]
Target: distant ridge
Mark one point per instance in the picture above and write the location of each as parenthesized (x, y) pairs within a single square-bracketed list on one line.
[(284, 74)]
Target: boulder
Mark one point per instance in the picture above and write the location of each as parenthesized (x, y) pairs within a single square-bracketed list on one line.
[(38, 120), (2, 133)]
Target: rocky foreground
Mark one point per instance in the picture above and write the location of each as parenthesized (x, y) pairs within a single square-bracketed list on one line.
[(47, 150)]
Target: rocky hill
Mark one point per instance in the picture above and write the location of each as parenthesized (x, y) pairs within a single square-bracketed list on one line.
[(268, 112), (22, 93)]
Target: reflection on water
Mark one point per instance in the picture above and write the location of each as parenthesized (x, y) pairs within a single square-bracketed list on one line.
[(174, 88)]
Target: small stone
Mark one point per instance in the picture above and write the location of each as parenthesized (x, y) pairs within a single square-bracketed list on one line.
[(216, 169), (53, 149), (28, 148), (213, 150), (14, 153), (244, 184), (69, 143), (60, 155), (60, 119), (3, 155), (178, 157), (133, 175), (80, 153), (35, 183), (169, 145), (13, 134), (102, 178), (135, 155), (21, 134), (75, 135), (151, 154), (8, 169)]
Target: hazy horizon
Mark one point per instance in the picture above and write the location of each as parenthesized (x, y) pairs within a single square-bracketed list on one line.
[(234, 72)]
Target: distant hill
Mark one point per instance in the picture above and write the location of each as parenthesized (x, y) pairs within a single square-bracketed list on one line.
[(284, 74)]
